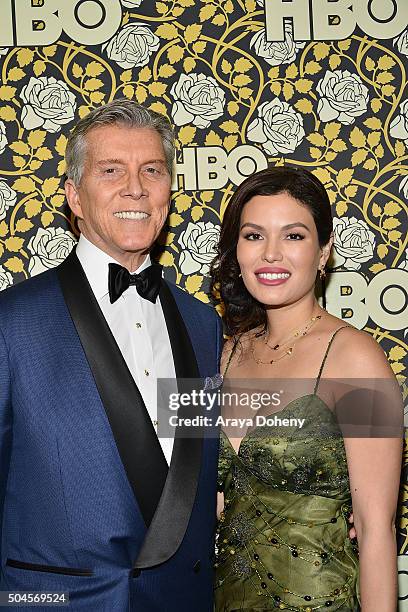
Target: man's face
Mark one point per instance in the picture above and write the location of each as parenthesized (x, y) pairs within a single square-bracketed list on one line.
[(123, 198)]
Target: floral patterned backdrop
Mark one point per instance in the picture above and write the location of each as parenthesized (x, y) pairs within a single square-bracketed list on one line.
[(337, 108)]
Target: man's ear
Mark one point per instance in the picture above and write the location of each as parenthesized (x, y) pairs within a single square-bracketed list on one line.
[(72, 195), (325, 252)]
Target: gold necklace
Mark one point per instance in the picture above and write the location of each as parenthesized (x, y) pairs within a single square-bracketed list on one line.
[(287, 352), (295, 334)]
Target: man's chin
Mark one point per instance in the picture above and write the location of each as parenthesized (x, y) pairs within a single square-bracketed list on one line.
[(135, 250)]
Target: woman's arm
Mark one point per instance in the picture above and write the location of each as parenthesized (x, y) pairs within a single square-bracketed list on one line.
[(374, 465), (374, 468)]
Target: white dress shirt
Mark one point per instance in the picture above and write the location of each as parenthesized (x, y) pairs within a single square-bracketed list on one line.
[(138, 327)]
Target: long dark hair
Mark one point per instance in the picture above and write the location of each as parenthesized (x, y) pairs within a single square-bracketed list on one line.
[(242, 311)]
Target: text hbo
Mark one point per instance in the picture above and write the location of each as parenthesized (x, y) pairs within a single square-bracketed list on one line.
[(32, 23), (384, 299), (212, 167), (335, 19)]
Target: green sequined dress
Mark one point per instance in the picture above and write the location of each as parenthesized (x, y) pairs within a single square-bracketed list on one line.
[(283, 537)]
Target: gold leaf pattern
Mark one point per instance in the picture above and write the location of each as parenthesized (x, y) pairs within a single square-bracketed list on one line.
[(360, 156)]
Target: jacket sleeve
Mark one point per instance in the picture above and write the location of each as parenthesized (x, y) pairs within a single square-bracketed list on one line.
[(5, 426)]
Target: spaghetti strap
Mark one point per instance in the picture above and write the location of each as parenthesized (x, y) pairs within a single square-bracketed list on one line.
[(232, 353), (325, 356)]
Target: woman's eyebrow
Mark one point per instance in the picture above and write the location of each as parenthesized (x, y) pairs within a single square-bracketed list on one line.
[(285, 227), (298, 224), (254, 225)]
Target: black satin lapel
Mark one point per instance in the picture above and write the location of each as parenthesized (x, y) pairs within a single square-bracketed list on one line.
[(137, 442), (170, 522), (185, 361)]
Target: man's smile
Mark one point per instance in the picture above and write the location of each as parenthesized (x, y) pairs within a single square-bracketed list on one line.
[(133, 215)]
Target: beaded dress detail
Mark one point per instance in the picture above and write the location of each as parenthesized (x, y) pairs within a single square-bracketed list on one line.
[(282, 540)]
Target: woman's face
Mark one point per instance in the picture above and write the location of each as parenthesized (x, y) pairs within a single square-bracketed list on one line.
[(278, 250)]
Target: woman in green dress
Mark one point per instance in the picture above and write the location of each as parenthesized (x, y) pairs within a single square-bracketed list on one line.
[(287, 489)]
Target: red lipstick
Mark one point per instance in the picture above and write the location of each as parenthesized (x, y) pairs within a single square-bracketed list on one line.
[(271, 270)]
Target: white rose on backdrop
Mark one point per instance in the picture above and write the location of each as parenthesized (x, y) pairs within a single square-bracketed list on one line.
[(354, 243), (404, 264), (197, 99), (5, 279), (8, 198), (49, 104), (131, 3), (4, 51), (49, 247), (132, 45), (276, 53), (343, 97), (399, 125), (403, 187), (401, 42), (278, 127), (199, 242), (3, 137)]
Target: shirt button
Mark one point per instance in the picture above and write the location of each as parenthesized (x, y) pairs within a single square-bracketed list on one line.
[(138, 325), (147, 372)]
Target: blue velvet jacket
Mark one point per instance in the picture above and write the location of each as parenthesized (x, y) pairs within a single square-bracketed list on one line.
[(87, 503)]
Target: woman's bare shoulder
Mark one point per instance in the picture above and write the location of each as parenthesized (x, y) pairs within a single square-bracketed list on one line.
[(356, 353)]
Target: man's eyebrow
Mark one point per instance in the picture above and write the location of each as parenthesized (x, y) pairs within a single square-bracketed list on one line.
[(285, 227), (155, 161), (103, 162)]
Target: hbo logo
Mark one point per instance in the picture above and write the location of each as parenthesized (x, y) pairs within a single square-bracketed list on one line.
[(211, 167), (384, 300), (41, 22), (335, 19)]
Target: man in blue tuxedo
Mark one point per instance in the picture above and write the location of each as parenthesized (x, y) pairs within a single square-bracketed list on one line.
[(92, 502)]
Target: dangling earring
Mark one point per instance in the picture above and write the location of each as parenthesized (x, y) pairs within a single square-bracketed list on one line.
[(322, 274)]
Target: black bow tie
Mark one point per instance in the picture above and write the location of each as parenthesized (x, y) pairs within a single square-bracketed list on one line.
[(147, 283)]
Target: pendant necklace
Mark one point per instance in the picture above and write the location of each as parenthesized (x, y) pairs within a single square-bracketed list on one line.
[(291, 339)]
